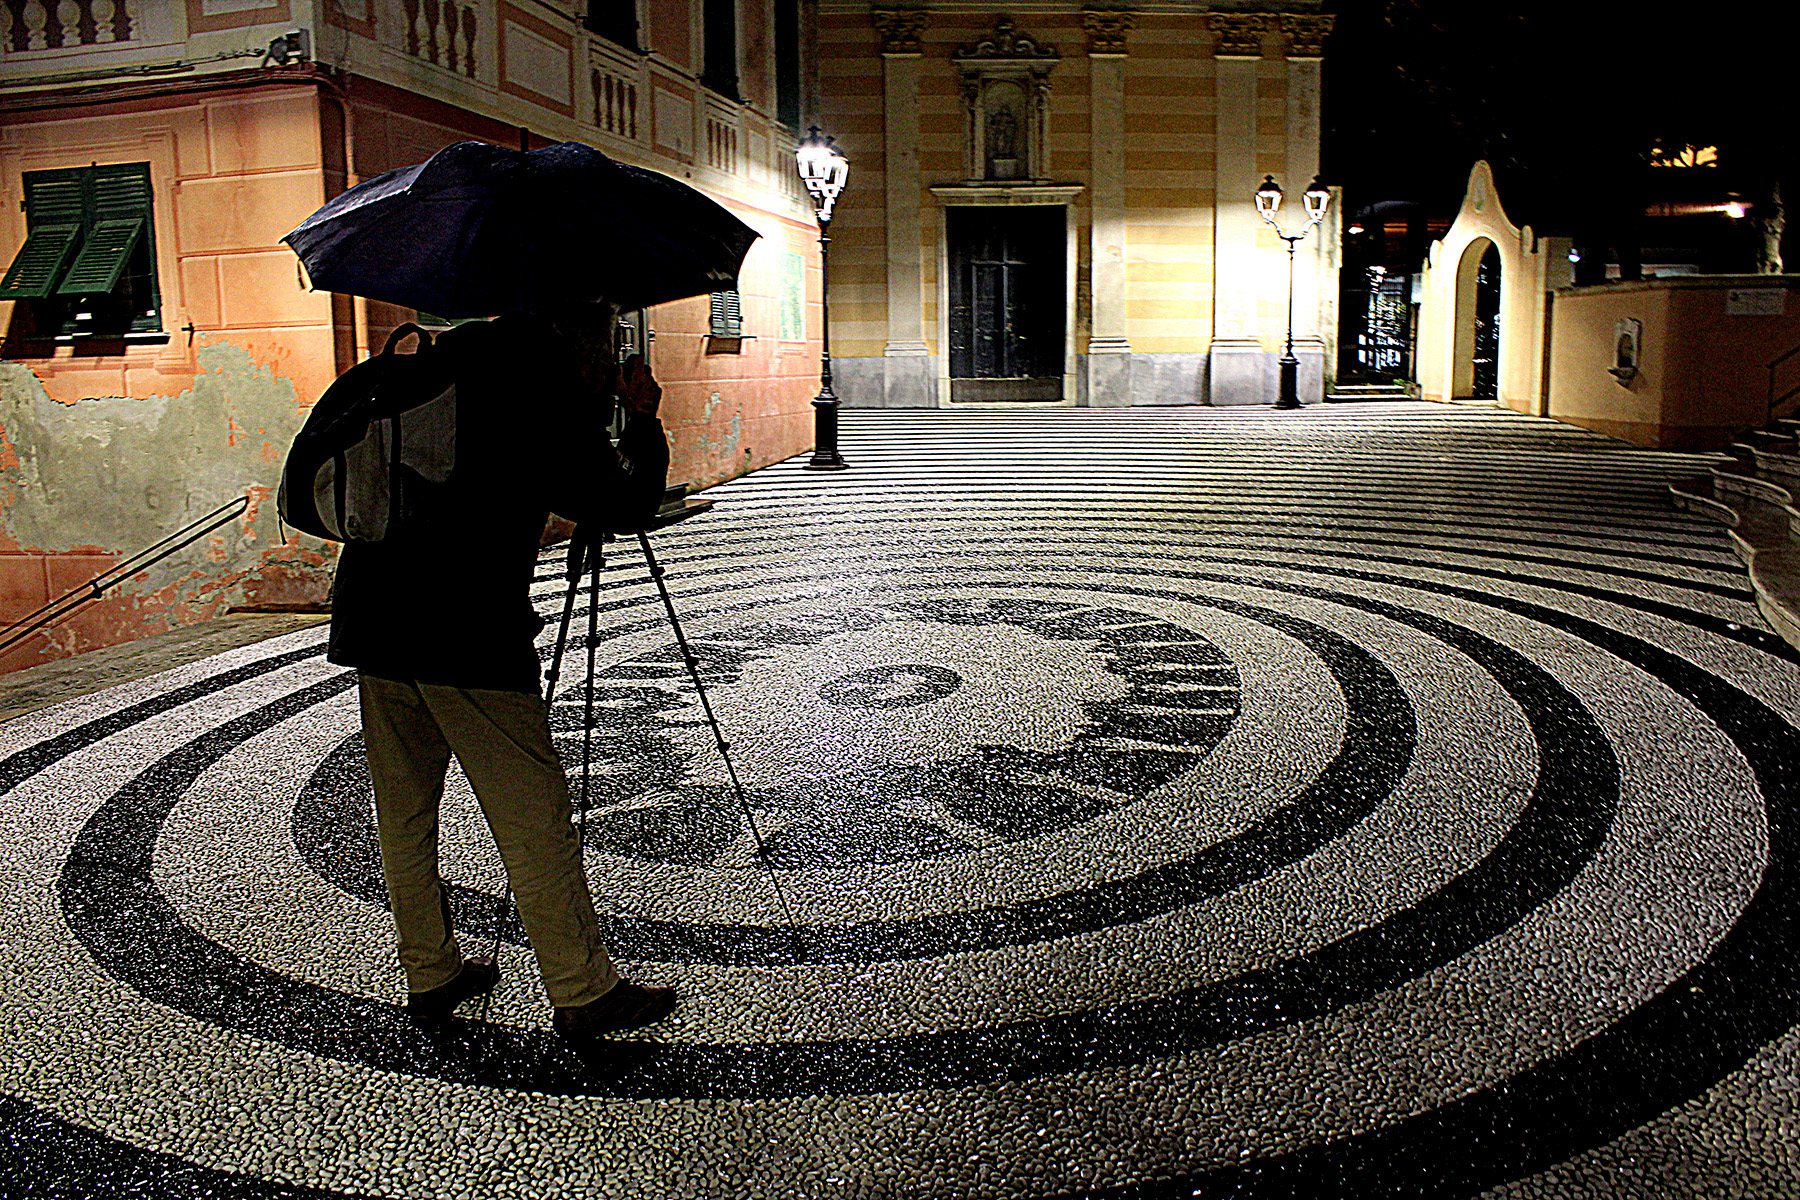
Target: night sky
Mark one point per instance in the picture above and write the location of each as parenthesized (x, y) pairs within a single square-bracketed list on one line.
[(1565, 99)]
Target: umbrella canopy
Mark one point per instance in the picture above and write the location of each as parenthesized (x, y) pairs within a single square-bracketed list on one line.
[(478, 230)]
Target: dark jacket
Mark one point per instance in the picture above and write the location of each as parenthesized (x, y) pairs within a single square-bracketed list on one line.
[(446, 601)]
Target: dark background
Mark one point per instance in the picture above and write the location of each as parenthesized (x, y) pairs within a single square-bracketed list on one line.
[(1566, 101)]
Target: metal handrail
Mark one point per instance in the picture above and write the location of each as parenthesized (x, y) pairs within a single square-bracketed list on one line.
[(1785, 396), (118, 573)]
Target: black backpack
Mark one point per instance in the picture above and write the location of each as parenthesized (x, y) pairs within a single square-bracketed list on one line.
[(377, 445)]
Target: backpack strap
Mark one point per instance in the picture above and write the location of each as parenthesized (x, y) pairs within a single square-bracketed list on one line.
[(393, 339)]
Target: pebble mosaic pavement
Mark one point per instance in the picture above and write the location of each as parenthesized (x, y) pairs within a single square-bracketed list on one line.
[(1379, 800)]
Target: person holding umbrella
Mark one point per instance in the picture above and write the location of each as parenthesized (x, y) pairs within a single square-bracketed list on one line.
[(437, 619), (438, 623)]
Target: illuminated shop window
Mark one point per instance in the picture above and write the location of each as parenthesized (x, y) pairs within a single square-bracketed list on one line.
[(1684, 156)]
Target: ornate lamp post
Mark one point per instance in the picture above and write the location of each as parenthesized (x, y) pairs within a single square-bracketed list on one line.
[(824, 171), (1268, 203)]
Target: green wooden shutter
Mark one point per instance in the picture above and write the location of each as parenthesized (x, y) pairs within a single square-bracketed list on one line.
[(726, 319), (91, 232), (40, 262), (102, 259), (121, 191), (118, 202), (53, 216)]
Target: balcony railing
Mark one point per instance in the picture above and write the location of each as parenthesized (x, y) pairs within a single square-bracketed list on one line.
[(615, 104), (441, 33), (721, 146), (56, 24)]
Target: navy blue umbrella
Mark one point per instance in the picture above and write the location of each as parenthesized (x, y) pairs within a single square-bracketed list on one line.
[(478, 230)]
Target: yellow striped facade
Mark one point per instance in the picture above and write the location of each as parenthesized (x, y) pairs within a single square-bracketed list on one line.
[(1133, 142)]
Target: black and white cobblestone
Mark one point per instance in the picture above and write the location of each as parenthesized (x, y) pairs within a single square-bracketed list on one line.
[(1380, 800)]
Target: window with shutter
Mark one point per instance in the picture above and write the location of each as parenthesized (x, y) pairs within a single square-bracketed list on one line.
[(726, 318), (54, 225), (88, 265), (787, 63)]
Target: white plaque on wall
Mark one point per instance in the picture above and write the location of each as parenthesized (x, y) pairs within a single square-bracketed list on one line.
[(1756, 302)]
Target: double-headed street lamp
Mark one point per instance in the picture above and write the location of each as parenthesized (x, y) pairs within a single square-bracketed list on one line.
[(1268, 203), (824, 171)]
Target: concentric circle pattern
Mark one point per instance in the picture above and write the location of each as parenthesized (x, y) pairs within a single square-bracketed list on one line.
[(1377, 800)]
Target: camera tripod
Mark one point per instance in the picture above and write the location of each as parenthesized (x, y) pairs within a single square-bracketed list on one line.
[(586, 556)]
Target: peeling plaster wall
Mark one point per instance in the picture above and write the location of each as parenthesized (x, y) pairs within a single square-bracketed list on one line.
[(87, 483), (107, 448)]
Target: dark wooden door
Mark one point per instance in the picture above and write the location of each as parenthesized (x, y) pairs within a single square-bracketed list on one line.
[(1006, 302)]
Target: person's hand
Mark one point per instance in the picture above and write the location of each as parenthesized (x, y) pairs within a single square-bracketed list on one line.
[(637, 388)]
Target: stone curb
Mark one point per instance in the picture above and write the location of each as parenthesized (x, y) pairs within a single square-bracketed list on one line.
[(31, 688), (1764, 527)]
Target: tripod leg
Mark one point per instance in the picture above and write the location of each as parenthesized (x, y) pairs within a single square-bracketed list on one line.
[(693, 668), (587, 717), (577, 553)]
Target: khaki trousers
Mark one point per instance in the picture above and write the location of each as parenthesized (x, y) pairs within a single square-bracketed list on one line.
[(502, 740)]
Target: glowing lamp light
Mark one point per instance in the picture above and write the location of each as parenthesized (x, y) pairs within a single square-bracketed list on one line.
[(1354, 229), (1315, 198), (1268, 199), (823, 170), (1268, 202), (1735, 209)]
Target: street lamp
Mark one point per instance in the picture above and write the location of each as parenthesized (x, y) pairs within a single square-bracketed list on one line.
[(1268, 203), (824, 171)]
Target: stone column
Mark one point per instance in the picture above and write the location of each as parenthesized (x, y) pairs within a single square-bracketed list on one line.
[(909, 375), (1108, 349), (1239, 369), (1315, 291)]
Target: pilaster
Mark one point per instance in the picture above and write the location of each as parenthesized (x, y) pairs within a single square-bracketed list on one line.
[(1108, 348), (1237, 371), (1315, 293), (909, 381)]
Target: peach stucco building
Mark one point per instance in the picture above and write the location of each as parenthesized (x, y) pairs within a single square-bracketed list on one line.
[(161, 346), (1051, 203), (1678, 362)]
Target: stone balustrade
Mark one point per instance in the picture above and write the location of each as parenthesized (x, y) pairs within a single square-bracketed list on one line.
[(442, 33), (55, 24)]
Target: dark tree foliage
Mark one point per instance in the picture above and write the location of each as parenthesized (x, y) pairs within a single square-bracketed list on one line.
[(1566, 100)]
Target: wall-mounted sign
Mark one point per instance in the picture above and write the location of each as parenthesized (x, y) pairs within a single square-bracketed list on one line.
[(1628, 343), (1756, 302)]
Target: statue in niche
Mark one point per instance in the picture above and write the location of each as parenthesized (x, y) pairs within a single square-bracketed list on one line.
[(1005, 156)]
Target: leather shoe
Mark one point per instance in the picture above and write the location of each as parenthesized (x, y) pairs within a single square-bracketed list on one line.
[(433, 1009), (625, 1006)]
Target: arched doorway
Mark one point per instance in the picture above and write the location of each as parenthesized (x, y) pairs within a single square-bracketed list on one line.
[(1477, 361)]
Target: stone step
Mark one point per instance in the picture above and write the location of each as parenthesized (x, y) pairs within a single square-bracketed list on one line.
[(1778, 464), (1370, 391), (1764, 528)]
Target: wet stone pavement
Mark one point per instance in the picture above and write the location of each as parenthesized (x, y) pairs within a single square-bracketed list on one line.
[(1382, 800)]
